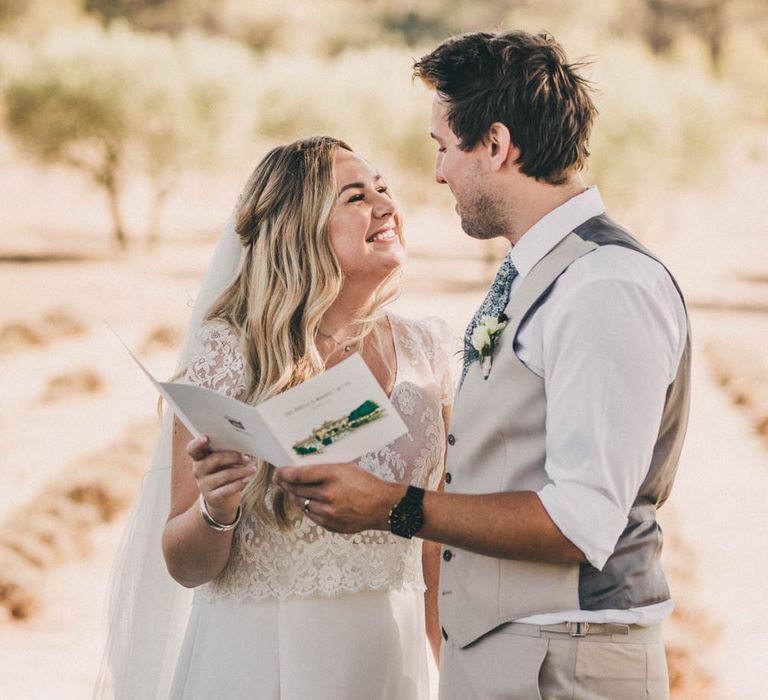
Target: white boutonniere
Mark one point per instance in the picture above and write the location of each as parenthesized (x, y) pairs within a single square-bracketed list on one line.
[(484, 339)]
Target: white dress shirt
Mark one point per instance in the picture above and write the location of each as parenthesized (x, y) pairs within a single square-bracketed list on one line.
[(607, 342)]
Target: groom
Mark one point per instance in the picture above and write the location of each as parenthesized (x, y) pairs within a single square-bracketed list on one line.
[(570, 418)]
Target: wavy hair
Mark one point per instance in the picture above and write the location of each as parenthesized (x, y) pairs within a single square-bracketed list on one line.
[(288, 278)]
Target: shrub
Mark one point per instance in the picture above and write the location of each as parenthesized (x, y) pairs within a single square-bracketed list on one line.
[(364, 97), (114, 101), (662, 126)]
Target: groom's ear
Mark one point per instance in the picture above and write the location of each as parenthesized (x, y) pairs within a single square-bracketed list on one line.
[(501, 151)]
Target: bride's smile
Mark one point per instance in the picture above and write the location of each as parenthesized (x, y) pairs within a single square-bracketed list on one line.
[(386, 234)]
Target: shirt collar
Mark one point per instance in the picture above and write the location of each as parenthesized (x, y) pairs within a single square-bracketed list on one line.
[(548, 231)]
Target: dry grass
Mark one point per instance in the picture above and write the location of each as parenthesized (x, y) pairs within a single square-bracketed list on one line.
[(57, 525), (54, 325), (687, 679), (15, 336), (162, 338), (690, 631), (64, 386), (738, 359), (59, 324)]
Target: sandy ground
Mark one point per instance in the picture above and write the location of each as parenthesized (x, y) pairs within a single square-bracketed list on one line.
[(71, 399)]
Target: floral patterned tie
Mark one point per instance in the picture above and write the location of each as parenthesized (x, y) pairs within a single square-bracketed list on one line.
[(494, 303)]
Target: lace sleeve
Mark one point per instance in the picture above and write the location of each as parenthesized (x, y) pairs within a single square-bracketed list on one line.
[(444, 351), (217, 362)]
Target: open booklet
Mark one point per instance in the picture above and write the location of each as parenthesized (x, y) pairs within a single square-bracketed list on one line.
[(334, 417)]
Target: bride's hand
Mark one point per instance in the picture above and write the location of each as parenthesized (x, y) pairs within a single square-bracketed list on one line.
[(221, 477)]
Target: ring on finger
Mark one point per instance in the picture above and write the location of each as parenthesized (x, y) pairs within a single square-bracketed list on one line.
[(305, 507)]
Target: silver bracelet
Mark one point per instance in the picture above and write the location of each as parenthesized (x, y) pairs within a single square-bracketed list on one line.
[(214, 524)]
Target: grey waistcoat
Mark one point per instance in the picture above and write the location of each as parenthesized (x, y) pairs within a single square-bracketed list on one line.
[(499, 431)]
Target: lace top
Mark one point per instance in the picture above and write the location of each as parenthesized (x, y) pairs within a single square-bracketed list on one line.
[(309, 560)]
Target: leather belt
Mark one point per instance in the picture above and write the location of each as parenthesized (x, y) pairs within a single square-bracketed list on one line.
[(616, 631), (582, 629)]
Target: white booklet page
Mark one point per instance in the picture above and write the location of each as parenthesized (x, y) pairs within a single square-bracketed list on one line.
[(334, 417)]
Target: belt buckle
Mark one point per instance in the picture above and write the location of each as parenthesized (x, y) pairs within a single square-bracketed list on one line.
[(578, 629)]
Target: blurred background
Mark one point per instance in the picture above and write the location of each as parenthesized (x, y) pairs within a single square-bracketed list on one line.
[(127, 129)]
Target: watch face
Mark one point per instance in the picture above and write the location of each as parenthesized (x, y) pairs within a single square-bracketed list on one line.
[(406, 520)]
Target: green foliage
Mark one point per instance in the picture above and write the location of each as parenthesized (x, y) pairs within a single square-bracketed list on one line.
[(108, 10), (662, 125), (364, 409), (112, 102), (118, 101), (418, 23), (745, 68), (35, 18), (10, 10), (364, 97), (168, 16), (50, 115)]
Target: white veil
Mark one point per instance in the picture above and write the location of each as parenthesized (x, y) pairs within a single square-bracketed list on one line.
[(148, 610)]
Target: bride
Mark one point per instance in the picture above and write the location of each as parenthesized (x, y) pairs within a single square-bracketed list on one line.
[(282, 608)]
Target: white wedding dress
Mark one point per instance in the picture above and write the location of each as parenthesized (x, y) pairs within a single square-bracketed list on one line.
[(307, 614)]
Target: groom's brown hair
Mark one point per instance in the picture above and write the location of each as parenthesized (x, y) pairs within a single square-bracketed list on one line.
[(523, 81)]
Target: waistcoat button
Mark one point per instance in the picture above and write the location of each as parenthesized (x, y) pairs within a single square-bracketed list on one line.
[(447, 555), (451, 439), (448, 477)]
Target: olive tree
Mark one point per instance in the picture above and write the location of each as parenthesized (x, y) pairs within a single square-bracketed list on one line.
[(68, 105), (113, 103)]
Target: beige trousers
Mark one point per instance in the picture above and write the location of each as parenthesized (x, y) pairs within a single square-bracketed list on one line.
[(527, 662)]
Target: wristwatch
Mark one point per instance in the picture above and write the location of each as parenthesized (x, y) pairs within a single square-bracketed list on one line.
[(407, 517)]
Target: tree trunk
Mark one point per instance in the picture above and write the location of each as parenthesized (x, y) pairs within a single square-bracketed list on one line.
[(109, 179), (715, 28), (158, 202), (118, 230), (657, 26)]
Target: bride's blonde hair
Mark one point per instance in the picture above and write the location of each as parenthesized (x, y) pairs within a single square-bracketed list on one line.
[(288, 278)]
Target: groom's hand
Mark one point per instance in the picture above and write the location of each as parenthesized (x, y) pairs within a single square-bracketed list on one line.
[(342, 497)]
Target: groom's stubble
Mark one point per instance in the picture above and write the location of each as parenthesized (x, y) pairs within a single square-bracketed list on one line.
[(482, 216)]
